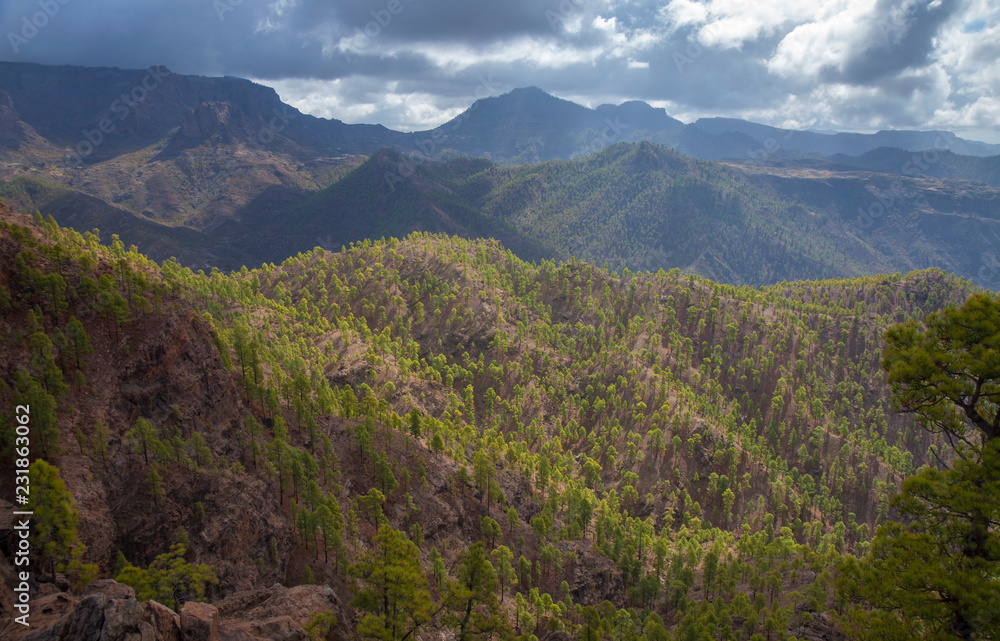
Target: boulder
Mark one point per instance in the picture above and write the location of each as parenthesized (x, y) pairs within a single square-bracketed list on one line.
[(282, 628), (166, 623), (88, 618), (199, 622), (122, 620)]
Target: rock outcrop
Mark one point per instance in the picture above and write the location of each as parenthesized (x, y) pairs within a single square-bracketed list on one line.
[(207, 118), (109, 611), (199, 622)]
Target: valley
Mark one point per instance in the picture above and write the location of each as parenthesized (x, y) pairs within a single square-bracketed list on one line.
[(218, 172), (699, 443), (541, 372)]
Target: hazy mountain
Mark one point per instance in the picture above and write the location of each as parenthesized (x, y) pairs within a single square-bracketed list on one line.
[(772, 139), (142, 107), (943, 164), (636, 206), (139, 107), (219, 172), (644, 206), (529, 125), (86, 213)]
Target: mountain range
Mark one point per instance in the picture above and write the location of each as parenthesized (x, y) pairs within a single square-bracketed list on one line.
[(544, 372), (220, 173)]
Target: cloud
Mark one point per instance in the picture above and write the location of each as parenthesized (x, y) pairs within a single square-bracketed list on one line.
[(411, 64), (905, 40)]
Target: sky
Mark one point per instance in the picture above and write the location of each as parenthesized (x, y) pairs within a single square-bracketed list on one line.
[(846, 65)]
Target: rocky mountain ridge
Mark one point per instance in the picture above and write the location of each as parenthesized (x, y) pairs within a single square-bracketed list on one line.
[(218, 172)]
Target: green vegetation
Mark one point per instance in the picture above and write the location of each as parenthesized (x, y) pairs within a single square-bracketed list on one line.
[(948, 375), (56, 518), (936, 575), (170, 579), (556, 447), (395, 595)]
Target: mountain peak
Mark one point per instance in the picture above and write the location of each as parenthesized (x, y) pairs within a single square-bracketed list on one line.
[(533, 96), (531, 90)]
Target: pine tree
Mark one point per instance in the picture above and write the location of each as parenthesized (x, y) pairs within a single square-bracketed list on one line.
[(44, 423), (948, 374), (393, 593), (472, 598), (78, 340), (331, 524), (55, 520), (169, 579), (144, 434), (505, 570), (384, 476), (935, 574)]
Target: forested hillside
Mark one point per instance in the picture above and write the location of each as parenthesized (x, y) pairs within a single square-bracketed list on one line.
[(219, 172), (643, 206), (455, 439)]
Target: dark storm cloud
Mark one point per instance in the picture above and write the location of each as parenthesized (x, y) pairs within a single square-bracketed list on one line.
[(378, 59), (449, 21), (902, 37), (267, 39), (124, 34)]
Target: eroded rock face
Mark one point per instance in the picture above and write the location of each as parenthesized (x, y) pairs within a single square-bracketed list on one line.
[(109, 611), (106, 611), (594, 580), (206, 119), (300, 603), (820, 628), (16, 136), (199, 622), (277, 613), (172, 376), (166, 623), (13, 132)]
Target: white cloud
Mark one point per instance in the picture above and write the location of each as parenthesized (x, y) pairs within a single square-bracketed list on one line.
[(361, 101), (683, 13), (530, 51), (814, 46), (830, 64), (275, 12), (730, 24)]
